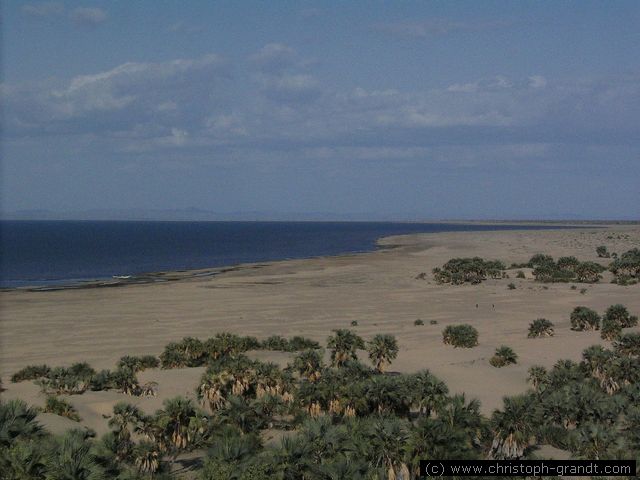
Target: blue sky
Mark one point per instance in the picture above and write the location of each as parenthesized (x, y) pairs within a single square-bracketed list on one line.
[(419, 110)]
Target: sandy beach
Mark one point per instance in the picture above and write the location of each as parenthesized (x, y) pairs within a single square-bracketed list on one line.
[(311, 297)]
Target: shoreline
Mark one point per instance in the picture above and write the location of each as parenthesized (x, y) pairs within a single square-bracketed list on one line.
[(312, 297), (163, 276)]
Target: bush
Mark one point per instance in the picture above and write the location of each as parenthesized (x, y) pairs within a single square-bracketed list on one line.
[(418, 322), (583, 318), (138, 364), (628, 344), (620, 314), (103, 380), (460, 336), (458, 271), (297, 344), (568, 263), (589, 272), (511, 286), (602, 252), (504, 356), (611, 328), (433, 322), (61, 407), (540, 327), (539, 260), (566, 269), (32, 372), (627, 265), (520, 274), (354, 323)]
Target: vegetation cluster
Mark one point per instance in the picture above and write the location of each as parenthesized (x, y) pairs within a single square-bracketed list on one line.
[(458, 271)]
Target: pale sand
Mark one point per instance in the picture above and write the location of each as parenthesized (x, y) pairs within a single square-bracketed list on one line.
[(312, 297)]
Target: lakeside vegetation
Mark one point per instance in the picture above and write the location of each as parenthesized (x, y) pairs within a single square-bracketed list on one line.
[(625, 269), (344, 419)]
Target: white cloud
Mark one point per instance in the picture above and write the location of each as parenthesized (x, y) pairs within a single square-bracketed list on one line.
[(537, 81)]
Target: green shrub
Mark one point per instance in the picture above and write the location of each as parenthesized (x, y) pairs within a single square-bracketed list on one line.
[(173, 356), (627, 265), (297, 344), (540, 327), (458, 271), (433, 322), (602, 252), (583, 318), (354, 323), (32, 372), (504, 356), (589, 272), (103, 380), (620, 314), (511, 286), (628, 344), (568, 263), (418, 322), (138, 364), (276, 342), (520, 274), (611, 328), (61, 407), (460, 336)]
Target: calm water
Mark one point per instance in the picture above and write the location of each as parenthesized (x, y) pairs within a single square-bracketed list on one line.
[(49, 252)]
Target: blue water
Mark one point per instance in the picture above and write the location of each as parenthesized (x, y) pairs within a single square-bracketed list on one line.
[(54, 252)]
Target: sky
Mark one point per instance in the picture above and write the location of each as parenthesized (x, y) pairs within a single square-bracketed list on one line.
[(361, 110)]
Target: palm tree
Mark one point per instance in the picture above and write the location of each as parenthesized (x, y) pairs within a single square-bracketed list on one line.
[(125, 418), (214, 389), (583, 318), (628, 344), (382, 350), (24, 460), (149, 429), (433, 438), (595, 358), (193, 350), (322, 439), (386, 439), (344, 344), (309, 364), (388, 395), (428, 392), (458, 413), (504, 356), (537, 377), (18, 421), (72, 458), (243, 414), (595, 441), (146, 457), (175, 417), (513, 428)]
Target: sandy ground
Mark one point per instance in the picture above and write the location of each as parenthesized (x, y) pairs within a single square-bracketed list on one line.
[(312, 297)]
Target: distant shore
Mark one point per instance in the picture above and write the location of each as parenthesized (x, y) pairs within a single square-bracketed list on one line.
[(174, 275)]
